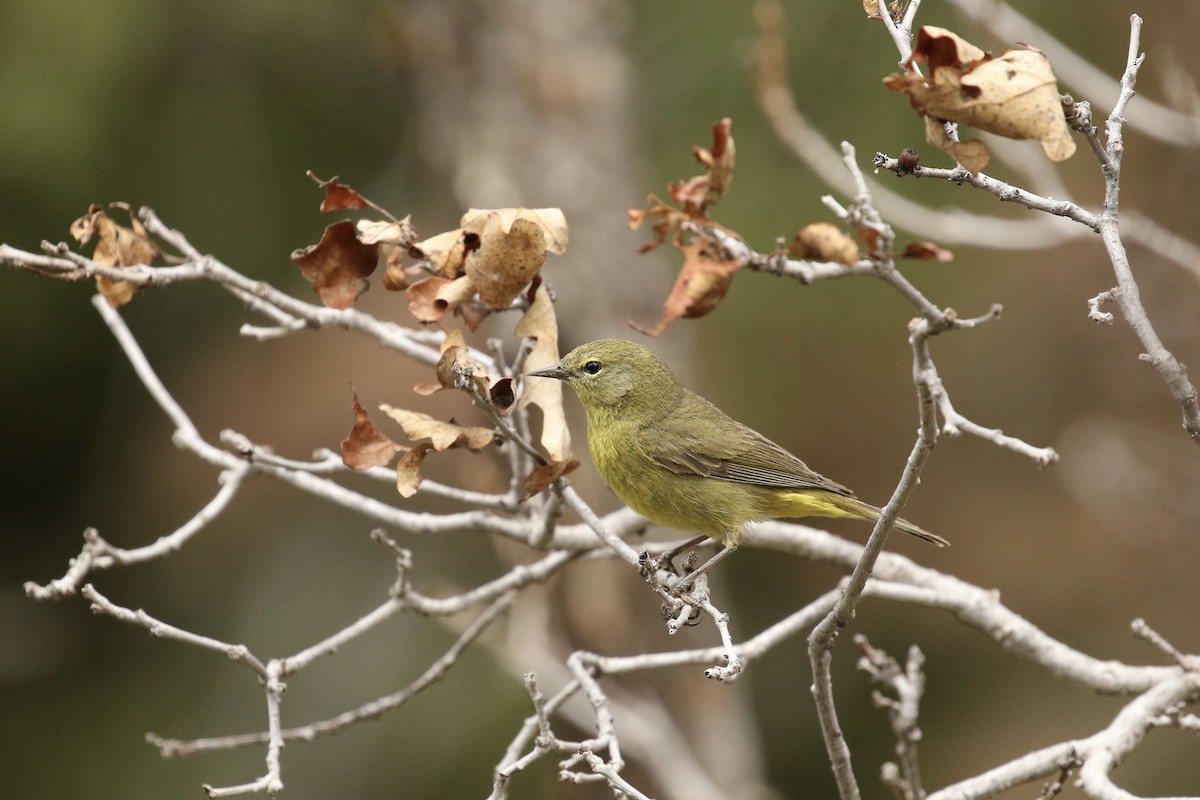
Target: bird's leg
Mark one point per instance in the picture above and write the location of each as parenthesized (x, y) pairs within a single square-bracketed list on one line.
[(706, 566), (668, 557), (650, 566)]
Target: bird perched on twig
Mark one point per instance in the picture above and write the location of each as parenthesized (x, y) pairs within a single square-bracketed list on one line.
[(680, 461)]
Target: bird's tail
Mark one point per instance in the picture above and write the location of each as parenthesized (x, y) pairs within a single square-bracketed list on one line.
[(863, 510)]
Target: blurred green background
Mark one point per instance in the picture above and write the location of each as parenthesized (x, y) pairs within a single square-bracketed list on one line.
[(210, 113)]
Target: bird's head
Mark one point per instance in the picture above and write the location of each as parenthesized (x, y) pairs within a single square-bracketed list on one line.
[(615, 372)]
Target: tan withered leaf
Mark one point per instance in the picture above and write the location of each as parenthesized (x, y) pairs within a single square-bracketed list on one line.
[(408, 469), (394, 238), (365, 446), (430, 298), (506, 261), (513, 243), (455, 366), (422, 298), (697, 193), (699, 287), (1014, 95), (377, 231), (116, 246), (552, 222), (667, 221), (546, 474), (824, 241), (502, 395), (441, 435), (973, 154), (338, 196), (445, 252), (429, 434), (540, 324), (395, 278), (338, 265), (927, 251)]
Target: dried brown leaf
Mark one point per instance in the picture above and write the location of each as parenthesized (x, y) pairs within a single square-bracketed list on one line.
[(441, 435), (395, 278), (552, 221), (445, 253), (408, 469), (365, 446), (1014, 95), (540, 324), (546, 474), (973, 154), (512, 248), (422, 298), (699, 288), (116, 246), (456, 367), (338, 196), (927, 251), (824, 241), (377, 231), (338, 265), (668, 221), (429, 434), (697, 193), (502, 394)]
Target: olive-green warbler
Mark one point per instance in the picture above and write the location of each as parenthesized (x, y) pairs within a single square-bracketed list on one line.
[(679, 461)]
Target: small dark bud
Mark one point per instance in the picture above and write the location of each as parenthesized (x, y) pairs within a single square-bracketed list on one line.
[(909, 160)]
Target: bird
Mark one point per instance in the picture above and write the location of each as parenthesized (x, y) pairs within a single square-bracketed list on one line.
[(681, 462)]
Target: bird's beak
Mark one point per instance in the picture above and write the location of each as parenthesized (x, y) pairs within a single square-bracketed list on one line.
[(555, 371)]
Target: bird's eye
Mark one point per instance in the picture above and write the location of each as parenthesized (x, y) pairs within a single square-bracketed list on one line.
[(592, 367)]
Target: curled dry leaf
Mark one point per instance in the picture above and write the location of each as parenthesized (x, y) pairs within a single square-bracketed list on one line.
[(494, 254), (546, 474), (513, 243), (395, 278), (365, 446), (824, 241), (695, 195), (927, 251), (551, 221), (116, 246), (430, 298), (699, 192), (699, 287), (1014, 95), (338, 196), (456, 368), (338, 265), (398, 232), (502, 395), (540, 324), (441, 435), (408, 469), (445, 252), (667, 221), (973, 154), (429, 434), (394, 239), (423, 301), (506, 261)]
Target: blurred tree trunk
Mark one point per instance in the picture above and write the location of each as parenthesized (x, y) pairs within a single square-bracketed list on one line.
[(529, 102)]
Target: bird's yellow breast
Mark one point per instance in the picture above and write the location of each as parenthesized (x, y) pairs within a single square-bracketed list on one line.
[(718, 509)]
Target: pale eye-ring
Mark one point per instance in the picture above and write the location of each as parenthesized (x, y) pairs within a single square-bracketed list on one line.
[(592, 367)]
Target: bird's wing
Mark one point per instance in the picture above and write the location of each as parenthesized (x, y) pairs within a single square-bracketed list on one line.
[(729, 451)]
